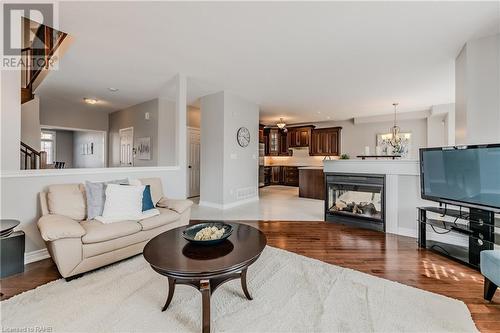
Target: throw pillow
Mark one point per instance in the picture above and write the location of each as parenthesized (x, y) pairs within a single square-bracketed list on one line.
[(95, 193), (147, 202), (123, 202)]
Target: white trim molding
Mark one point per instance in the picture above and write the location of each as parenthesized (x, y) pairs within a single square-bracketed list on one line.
[(81, 171), (228, 205), (36, 255)]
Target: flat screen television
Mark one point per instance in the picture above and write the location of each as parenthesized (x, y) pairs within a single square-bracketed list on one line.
[(467, 176)]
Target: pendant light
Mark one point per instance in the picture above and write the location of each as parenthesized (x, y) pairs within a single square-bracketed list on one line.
[(281, 124), (395, 135)]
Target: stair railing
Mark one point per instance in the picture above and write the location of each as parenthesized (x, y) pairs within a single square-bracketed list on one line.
[(38, 56), (33, 159)]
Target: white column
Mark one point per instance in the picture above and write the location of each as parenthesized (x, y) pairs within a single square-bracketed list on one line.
[(477, 77), (10, 115), (181, 130)]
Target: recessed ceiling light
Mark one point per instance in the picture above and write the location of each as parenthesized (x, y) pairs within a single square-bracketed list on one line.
[(113, 89), (328, 117), (90, 100)]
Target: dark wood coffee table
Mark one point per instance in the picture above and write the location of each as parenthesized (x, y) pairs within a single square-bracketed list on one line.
[(205, 267)]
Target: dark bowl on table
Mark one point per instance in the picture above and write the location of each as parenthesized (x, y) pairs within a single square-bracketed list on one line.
[(190, 233)]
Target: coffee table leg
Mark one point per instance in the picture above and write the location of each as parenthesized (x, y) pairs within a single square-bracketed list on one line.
[(205, 304), (244, 284), (171, 289)]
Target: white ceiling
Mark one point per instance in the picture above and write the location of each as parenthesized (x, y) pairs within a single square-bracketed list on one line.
[(300, 61)]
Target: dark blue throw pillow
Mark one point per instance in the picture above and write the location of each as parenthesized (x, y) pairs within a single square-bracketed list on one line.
[(147, 202)]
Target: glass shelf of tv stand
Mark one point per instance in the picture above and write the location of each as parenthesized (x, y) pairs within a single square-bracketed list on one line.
[(459, 228), (464, 215)]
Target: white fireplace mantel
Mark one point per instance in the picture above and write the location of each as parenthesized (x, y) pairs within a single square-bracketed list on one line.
[(382, 166), (402, 189)]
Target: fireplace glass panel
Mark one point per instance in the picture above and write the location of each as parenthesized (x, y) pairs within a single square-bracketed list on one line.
[(363, 201)]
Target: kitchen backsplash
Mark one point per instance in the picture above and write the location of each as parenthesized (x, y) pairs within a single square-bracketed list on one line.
[(300, 158)]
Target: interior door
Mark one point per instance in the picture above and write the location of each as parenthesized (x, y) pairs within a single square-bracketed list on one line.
[(126, 146), (193, 155)]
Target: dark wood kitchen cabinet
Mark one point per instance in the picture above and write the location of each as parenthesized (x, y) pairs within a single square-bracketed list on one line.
[(276, 175), (275, 142), (290, 176), (325, 142), (261, 134), (281, 175), (312, 183), (299, 136)]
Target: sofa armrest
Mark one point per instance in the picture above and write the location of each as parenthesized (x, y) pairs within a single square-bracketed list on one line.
[(176, 205), (54, 227)]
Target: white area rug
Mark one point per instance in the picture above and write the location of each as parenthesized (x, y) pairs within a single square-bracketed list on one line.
[(291, 293)]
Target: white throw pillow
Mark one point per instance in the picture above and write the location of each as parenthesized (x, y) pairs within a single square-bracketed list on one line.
[(123, 202)]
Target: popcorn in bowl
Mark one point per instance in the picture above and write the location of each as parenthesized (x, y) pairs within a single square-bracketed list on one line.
[(209, 233)]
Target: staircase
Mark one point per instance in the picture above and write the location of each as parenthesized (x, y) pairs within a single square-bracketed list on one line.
[(37, 59), (31, 158)]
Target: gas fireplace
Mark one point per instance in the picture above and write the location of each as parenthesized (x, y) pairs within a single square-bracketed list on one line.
[(356, 199)]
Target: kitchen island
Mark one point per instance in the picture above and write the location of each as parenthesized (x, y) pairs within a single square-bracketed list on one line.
[(311, 182)]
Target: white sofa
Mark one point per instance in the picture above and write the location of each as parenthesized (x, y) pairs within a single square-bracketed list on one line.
[(78, 245)]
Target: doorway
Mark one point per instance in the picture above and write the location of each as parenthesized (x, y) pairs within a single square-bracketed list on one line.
[(126, 146), (193, 161)]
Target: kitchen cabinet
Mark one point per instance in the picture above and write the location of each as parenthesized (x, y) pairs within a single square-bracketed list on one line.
[(312, 183), (290, 176), (325, 142), (299, 136), (267, 175), (272, 142), (276, 175), (276, 142), (281, 175), (261, 134), (283, 142)]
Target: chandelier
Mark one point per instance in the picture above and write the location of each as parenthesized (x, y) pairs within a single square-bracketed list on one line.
[(281, 124), (396, 139)]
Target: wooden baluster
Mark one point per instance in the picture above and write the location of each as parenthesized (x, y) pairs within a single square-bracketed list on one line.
[(43, 160)]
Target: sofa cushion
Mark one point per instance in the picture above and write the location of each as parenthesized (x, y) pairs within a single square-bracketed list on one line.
[(177, 205), (123, 202), (96, 231), (96, 196), (147, 200), (67, 200), (166, 216), (490, 265), (156, 188)]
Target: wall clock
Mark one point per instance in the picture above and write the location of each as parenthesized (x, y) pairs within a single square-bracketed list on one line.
[(243, 136)]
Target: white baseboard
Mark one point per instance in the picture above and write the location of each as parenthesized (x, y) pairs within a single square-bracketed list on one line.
[(37, 255), (229, 205)]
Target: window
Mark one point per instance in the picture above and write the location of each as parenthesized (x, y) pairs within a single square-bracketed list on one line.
[(48, 145)]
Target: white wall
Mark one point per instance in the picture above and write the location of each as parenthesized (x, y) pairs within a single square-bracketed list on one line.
[(64, 147), (166, 132), (95, 160), (58, 113), (212, 149), (241, 165), (229, 173), (10, 124), (477, 83), (134, 116), (30, 123)]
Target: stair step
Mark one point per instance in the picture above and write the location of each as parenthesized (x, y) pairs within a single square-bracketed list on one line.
[(26, 95)]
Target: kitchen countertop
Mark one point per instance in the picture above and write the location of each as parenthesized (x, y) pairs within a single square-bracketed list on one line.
[(311, 168), (300, 166)]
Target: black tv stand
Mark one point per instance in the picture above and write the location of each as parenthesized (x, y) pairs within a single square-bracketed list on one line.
[(476, 224)]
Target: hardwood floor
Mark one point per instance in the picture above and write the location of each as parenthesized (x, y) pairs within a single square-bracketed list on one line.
[(387, 256)]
